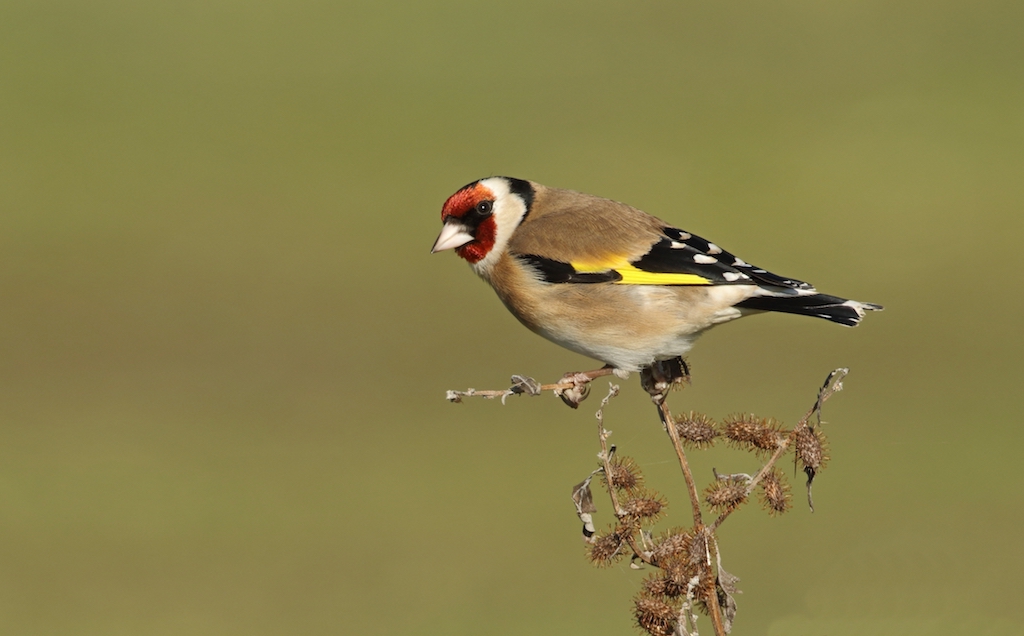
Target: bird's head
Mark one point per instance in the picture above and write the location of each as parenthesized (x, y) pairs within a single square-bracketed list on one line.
[(481, 216)]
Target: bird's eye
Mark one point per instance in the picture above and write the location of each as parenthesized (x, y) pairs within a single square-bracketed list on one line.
[(484, 208)]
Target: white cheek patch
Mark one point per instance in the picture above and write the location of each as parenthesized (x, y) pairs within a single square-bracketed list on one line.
[(509, 210)]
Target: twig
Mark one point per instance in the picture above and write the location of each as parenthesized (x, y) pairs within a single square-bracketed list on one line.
[(691, 486), (521, 385), (572, 387), (713, 607), (606, 459)]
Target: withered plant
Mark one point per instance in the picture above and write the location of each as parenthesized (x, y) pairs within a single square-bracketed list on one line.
[(687, 577)]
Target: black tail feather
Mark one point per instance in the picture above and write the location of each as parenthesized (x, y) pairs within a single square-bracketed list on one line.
[(840, 310)]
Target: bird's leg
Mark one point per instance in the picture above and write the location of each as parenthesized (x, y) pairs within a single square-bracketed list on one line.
[(579, 385)]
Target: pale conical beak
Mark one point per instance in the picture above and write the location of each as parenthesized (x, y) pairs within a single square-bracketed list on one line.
[(453, 234)]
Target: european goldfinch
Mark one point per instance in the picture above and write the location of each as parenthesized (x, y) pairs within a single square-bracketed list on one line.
[(609, 281)]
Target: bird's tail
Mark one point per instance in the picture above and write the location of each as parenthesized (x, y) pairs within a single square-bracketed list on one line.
[(840, 310)]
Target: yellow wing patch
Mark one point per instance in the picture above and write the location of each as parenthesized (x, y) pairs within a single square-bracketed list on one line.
[(633, 276)]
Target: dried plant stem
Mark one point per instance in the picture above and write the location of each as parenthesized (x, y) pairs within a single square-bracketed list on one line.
[(490, 394), (572, 387), (606, 459), (713, 608), (698, 521), (677, 444)]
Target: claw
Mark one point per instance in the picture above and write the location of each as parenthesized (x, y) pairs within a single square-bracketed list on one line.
[(579, 390)]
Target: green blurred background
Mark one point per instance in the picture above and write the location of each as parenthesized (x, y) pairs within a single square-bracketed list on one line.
[(224, 345)]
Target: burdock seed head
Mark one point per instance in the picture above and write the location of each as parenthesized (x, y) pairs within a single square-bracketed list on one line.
[(673, 543), (643, 506), (726, 494), (655, 616), (659, 585), (811, 449), (761, 434), (697, 430), (775, 496), (678, 576), (625, 474), (608, 548)]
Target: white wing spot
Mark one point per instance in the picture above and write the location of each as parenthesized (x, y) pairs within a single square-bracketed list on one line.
[(714, 249), (732, 277), (704, 259), (739, 263), (856, 306), (678, 246)]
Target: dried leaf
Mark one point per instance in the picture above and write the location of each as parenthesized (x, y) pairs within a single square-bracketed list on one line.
[(583, 499), (726, 588), (524, 384)]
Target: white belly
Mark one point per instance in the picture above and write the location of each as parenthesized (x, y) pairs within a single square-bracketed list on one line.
[(630, 327)]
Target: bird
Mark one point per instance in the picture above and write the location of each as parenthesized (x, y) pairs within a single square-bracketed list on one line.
[(609, 281)]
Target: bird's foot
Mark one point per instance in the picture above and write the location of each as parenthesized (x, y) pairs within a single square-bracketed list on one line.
[(659, 378), (577, 385)]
